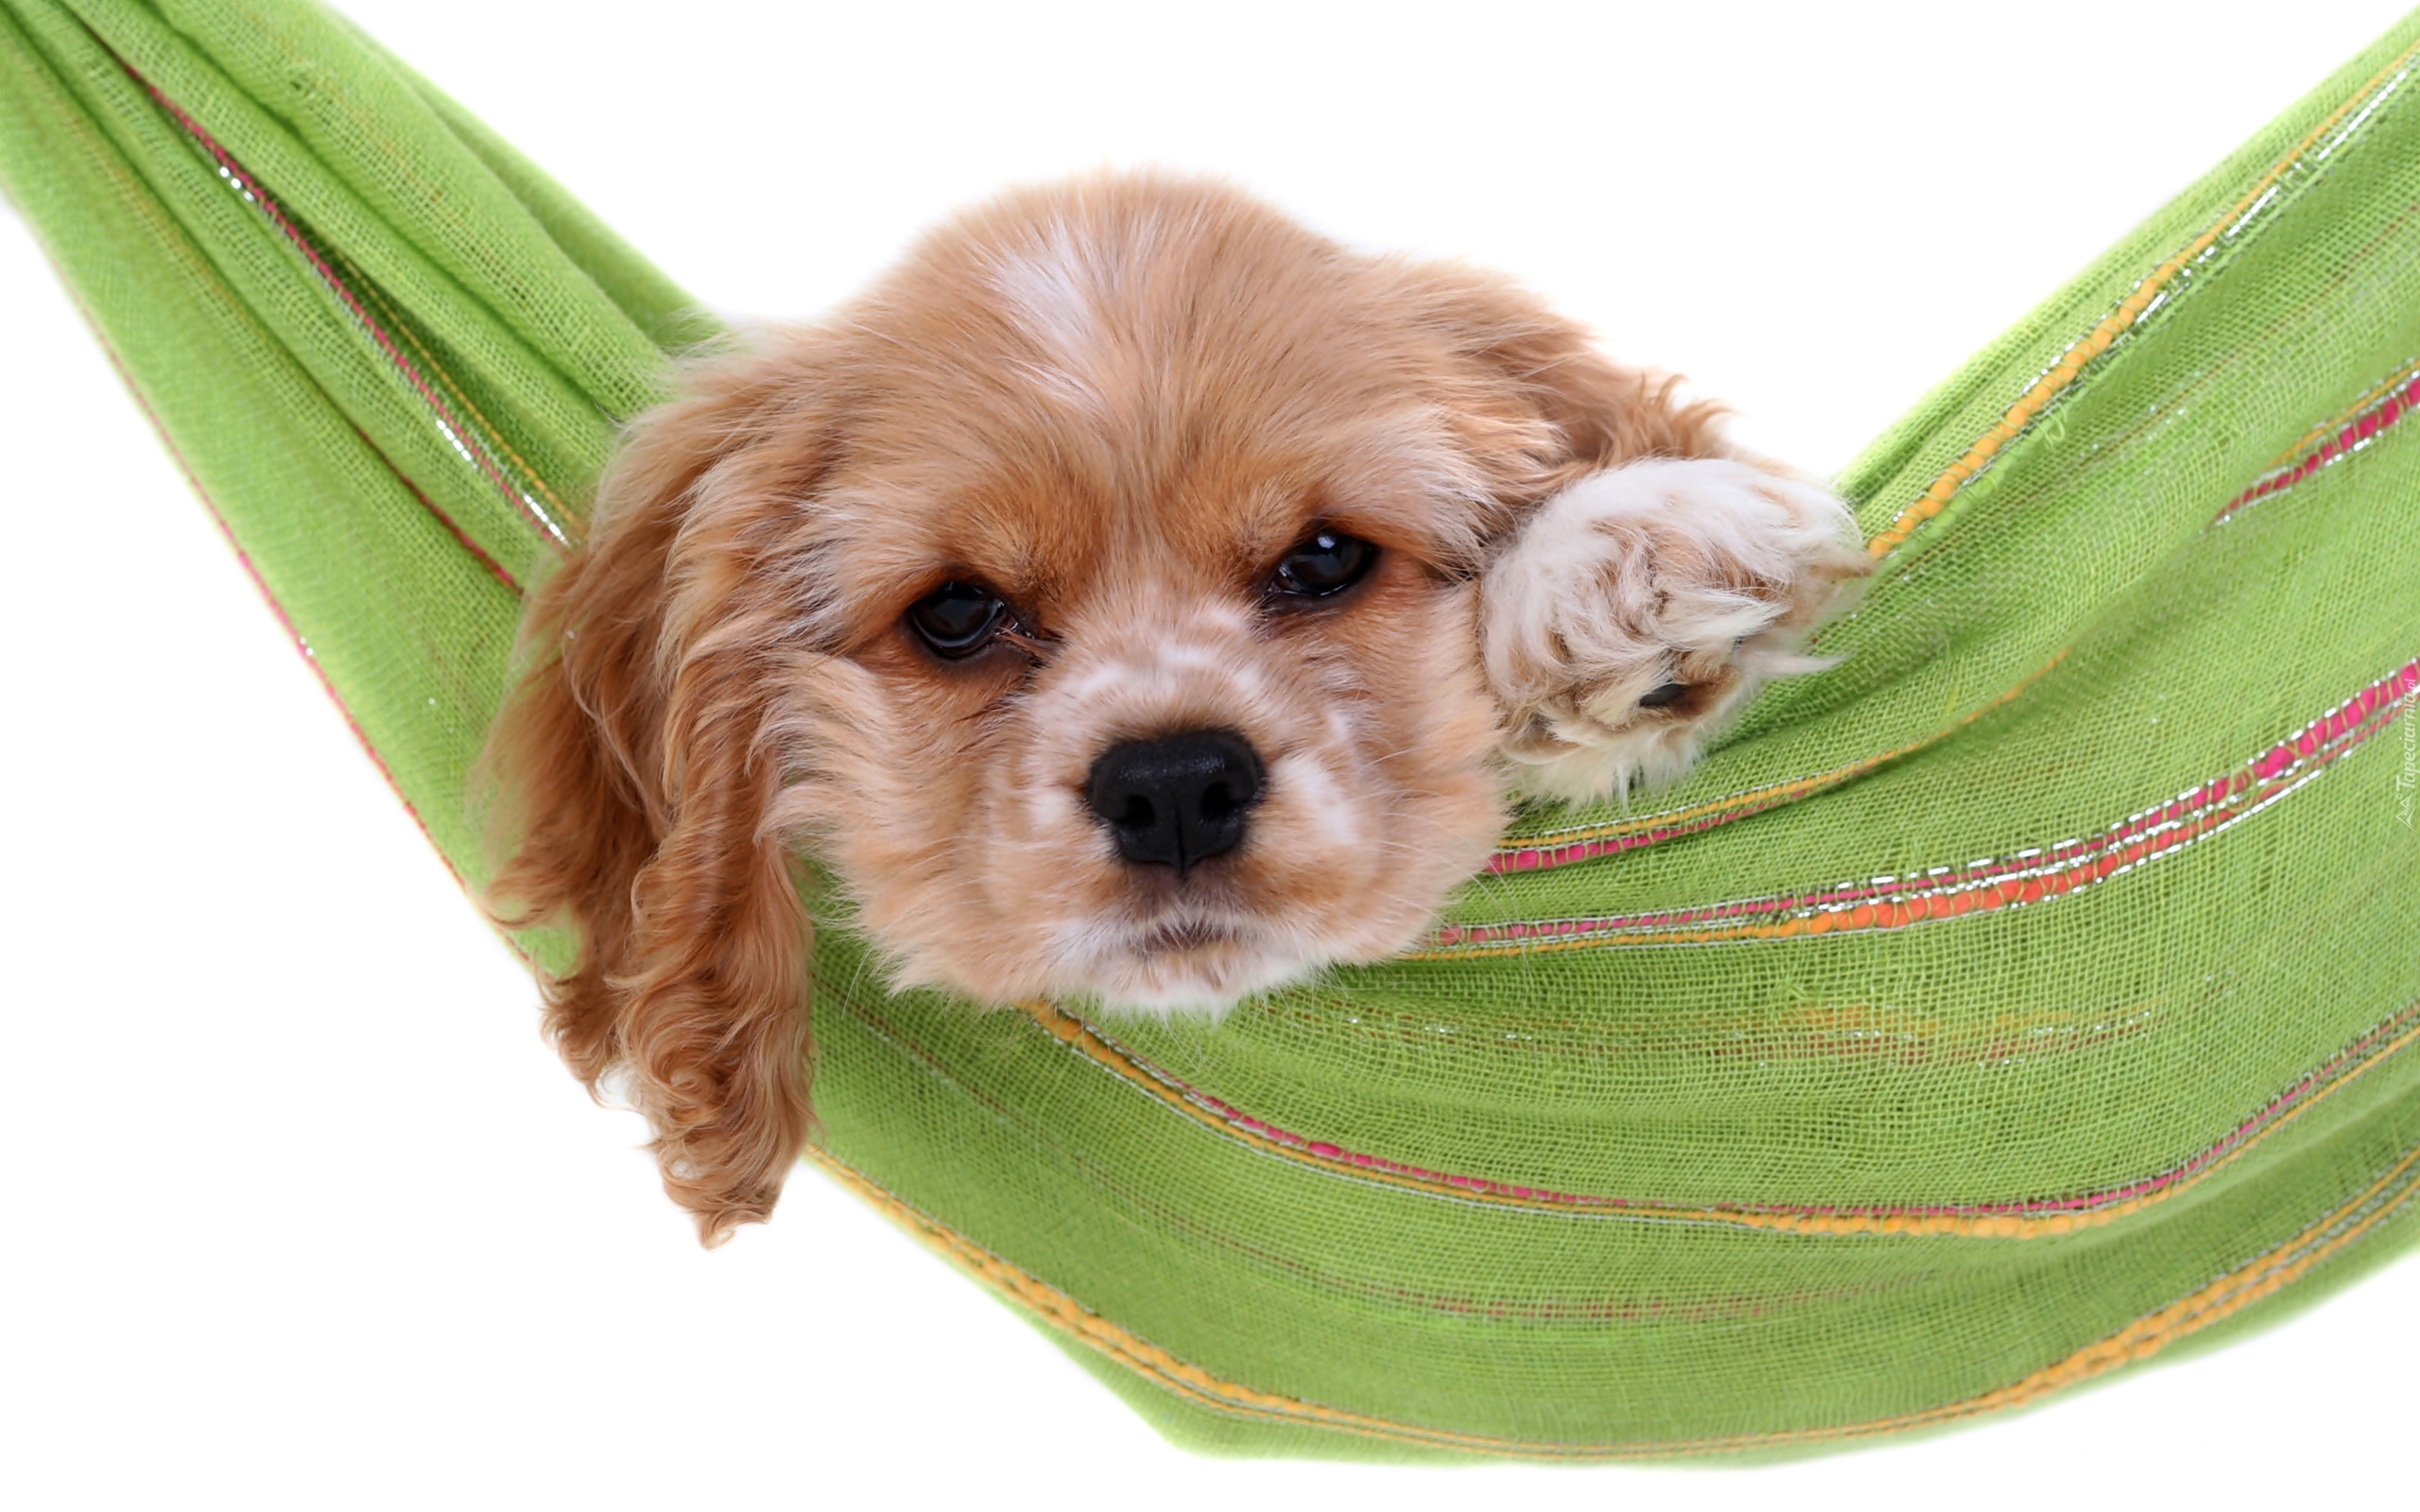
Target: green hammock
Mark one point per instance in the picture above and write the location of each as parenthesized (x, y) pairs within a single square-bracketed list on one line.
[(2031, 992)]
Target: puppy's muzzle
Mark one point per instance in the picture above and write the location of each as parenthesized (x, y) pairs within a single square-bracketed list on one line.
[(1178, 799)]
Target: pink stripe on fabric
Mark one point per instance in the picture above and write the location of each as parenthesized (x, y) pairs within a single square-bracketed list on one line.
[(2357, 434), (461, 539), (1542, 857), (2373, 1046), (2012, 879)]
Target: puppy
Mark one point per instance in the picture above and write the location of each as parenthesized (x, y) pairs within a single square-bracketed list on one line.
[(1133, 598)]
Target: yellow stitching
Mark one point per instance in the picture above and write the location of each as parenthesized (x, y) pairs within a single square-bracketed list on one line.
[(2144, 1336), (2080, 353)]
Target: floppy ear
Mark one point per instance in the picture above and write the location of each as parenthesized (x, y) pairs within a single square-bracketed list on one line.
[(633, 770)]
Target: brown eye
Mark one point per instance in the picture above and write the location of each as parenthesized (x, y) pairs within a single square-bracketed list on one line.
[(958, 619), (1326, 564), (1665, 696)]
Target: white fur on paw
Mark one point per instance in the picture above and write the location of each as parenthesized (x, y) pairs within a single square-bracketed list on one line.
[(1698, 575)]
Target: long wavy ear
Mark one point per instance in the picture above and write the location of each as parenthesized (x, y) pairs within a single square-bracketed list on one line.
[(633, 770)]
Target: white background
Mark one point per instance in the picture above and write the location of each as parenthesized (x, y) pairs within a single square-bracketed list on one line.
[(299, 1212)]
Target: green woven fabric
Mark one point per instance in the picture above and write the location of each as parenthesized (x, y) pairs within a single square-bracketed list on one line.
[(2029, 993)]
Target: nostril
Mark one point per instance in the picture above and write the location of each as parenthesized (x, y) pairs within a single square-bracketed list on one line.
[(1178, 799)]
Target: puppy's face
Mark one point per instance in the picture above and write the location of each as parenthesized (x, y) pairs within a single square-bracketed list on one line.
[(1096, 601), (1132, 656)]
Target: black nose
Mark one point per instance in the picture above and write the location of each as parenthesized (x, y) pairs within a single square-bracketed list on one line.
[(1178, 799)]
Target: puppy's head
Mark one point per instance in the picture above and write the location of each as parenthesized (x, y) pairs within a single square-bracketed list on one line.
[(1091, 600)]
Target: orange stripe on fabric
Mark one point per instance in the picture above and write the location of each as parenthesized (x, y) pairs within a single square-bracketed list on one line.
[(2332, 1078), (2080, 353), (2147, 1335), (2015, 878)]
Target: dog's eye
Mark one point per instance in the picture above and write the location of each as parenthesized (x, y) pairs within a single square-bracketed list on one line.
[(1326, 564), (958, 619), (1665, 696)]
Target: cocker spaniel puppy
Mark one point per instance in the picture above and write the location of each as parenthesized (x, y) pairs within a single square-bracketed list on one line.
[(1133, 598)]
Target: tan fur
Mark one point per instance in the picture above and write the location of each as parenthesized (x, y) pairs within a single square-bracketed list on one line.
[(1118, 402)]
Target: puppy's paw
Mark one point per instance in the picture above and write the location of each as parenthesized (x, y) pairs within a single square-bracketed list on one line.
[(1641, 605)]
